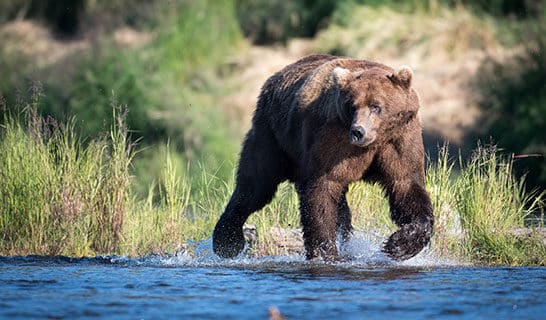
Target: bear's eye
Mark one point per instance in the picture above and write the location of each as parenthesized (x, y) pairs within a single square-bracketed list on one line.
[(375, 108)]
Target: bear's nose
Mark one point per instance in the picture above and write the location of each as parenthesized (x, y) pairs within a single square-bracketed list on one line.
[(356, 134)]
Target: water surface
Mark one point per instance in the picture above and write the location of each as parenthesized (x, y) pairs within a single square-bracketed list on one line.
[(187, 287)]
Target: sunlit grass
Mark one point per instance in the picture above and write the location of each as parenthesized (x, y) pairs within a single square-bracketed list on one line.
[(57, 196), (491, 204)]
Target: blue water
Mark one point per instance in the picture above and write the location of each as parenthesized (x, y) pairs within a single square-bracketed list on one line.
[(185, 287)]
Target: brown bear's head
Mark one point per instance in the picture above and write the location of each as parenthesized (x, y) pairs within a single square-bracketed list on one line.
[(373, 101)]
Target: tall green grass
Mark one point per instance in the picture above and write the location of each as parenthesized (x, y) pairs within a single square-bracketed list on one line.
[(492, 203), (57, 196), (481, 210), (62, 196)]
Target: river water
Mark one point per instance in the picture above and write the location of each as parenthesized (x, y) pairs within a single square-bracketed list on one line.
[(203, 286)]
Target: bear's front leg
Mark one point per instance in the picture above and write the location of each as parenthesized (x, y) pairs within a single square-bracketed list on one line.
[(411, 210), (399, 168), (318, 205)]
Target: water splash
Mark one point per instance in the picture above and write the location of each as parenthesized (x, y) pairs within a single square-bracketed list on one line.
[(363, 250)]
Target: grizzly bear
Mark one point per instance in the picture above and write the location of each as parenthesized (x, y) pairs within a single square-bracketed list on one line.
[(322, 123)]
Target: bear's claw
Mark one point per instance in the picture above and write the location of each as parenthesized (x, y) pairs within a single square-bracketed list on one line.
[(407, 242)]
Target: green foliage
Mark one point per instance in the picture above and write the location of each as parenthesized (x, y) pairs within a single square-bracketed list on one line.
[(270, 21), (282, 212), (361, 31), (194, 35), (526, 9), (172, 87), (479, 211), (60, 196), (158, 227), (114, 74), (178, 214), (442, 187)]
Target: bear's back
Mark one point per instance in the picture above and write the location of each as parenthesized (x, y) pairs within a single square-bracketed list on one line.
[(282, 86)]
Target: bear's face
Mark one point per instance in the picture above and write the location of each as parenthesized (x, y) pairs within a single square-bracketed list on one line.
[(375, 101)]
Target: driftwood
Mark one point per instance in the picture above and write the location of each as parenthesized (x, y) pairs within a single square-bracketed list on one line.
[(289, 241)]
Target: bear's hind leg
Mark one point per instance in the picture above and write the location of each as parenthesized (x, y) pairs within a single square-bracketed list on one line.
[(258, 176)]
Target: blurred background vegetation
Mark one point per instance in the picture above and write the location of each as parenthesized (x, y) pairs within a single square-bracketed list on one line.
[(180, 67)]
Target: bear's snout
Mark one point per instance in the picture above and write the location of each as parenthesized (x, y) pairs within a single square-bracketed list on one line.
[(359, 137), (357, 134)]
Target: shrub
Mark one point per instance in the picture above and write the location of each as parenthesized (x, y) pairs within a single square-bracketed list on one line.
[(272, 21)]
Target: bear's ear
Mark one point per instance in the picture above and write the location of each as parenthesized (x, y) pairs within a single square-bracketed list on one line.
[(402, 77), (342, 76)]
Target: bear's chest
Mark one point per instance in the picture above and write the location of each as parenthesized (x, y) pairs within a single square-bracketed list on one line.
[(336, 159)]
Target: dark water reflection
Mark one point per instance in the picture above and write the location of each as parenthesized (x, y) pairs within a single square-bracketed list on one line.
[(41, 287)]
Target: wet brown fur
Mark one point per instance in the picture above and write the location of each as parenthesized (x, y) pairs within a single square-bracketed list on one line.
[(300, 133)]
